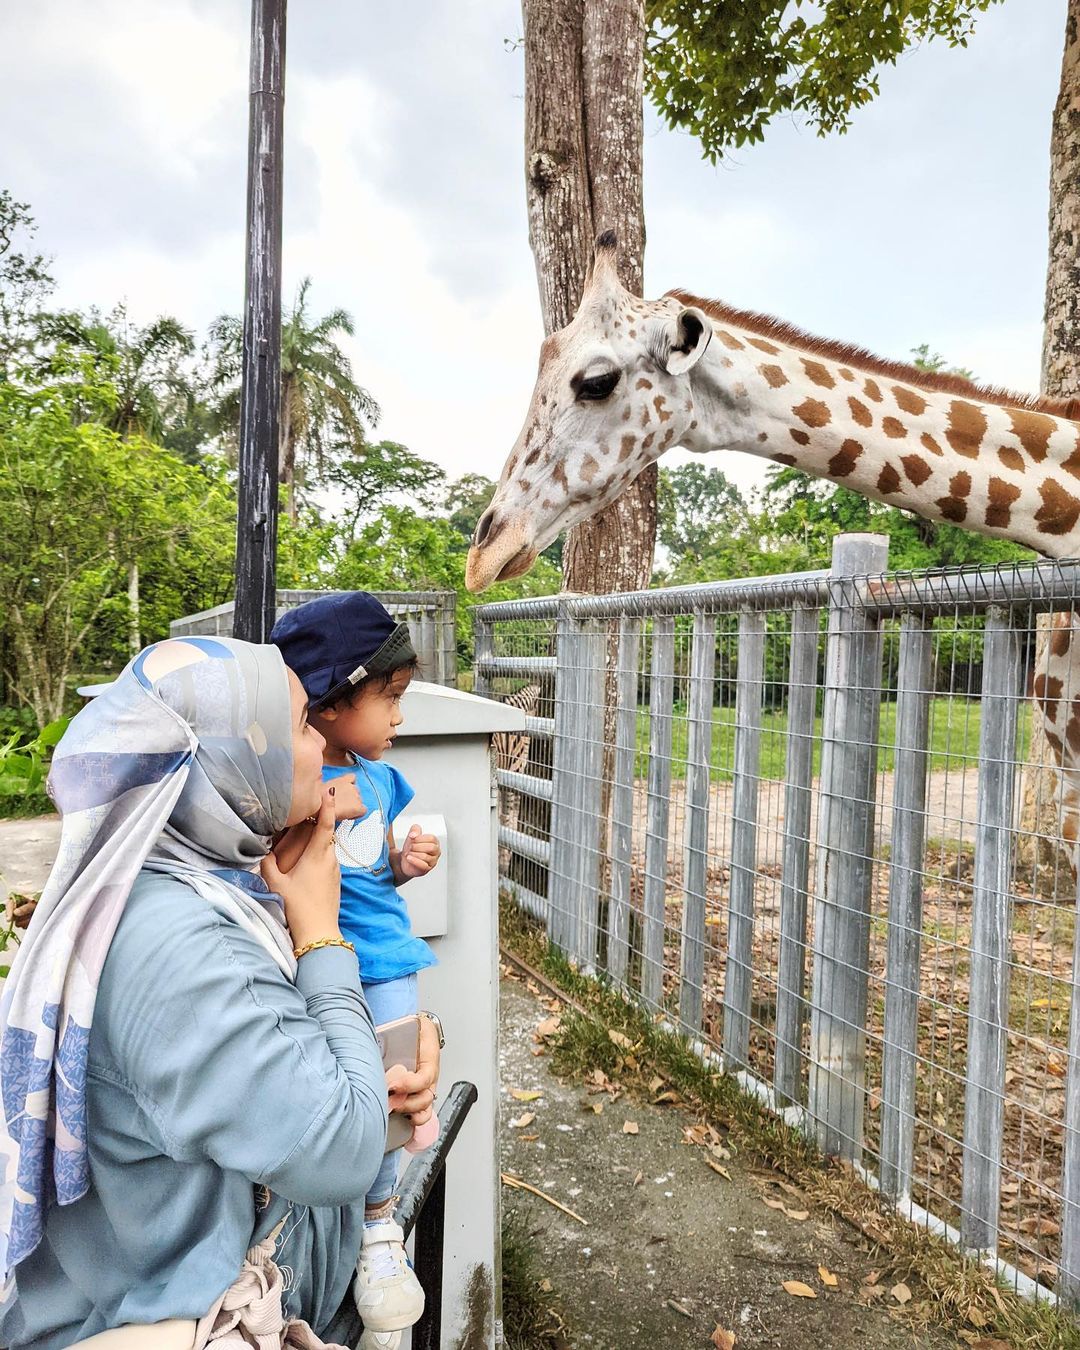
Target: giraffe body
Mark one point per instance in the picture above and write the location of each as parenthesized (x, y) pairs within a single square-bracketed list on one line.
[(629, 379)]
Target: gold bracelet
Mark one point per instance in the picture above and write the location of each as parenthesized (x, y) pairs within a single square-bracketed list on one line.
[(322, 942)]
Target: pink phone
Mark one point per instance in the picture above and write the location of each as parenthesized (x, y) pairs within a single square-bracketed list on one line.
[(399, 1042)]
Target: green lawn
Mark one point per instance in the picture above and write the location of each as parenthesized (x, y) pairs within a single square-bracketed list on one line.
[(954, 738)]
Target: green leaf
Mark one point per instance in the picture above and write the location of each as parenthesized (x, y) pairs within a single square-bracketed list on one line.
[(51, 734)]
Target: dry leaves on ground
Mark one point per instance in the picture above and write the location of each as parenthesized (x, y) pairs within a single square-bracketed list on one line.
[(629, 1127), (723, 1340), (828, 1279), (797, 1289), (520, 1095)]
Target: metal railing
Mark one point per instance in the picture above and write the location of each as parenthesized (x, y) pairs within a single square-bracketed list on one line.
[(431, 616), (803, 819), (421, 1207)]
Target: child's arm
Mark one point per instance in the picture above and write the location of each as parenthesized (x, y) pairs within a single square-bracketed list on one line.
[(416, 857)]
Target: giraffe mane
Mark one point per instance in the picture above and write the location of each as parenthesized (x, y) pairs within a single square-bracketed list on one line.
[(849, 353)]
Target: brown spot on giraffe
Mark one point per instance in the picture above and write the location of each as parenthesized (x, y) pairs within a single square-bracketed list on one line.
[(843, 462), (763, 346), (893, 428), (1048, 691), (928, 443), (774, 375), (626, 413), (818, 374), (1060, 510), (589, 468), (1033, 431), (860, 413), (799, 436), (1061, 640), (1072, 464), (626, 446), (907, 400), (669, 436), (645, 415), (784, 459), (813, 412), (729, 340), (888, 480), (1072, 732), (763, 435), (643, 383), (999, 499), (954, 507), (508, 472), (916, 468), (1012, 459), (532, 456), (549, 348), (846, 374), (661, 411), (1055, 743), (872, 390), (966, 429), (647, 442)]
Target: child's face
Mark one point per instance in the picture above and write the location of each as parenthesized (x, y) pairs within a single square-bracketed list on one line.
[(369, 726)]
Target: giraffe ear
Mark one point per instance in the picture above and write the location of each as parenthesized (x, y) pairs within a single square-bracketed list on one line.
[(679, 342)]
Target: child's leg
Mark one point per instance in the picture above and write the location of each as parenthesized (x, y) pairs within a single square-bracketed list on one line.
[(388, 1001)]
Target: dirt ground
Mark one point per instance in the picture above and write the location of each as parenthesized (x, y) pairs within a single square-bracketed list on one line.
[(671, 1249), (27, 848)]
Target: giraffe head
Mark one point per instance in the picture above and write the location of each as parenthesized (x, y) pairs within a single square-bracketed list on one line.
[(611, 395)]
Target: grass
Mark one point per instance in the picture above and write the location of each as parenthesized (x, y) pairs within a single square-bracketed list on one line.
[(951, 1290), (954, 738), (529, 1320)]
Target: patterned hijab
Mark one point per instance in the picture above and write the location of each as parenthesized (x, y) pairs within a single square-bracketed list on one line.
[(183, 765)]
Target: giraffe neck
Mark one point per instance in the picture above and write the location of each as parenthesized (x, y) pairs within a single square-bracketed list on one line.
[(960, 455)]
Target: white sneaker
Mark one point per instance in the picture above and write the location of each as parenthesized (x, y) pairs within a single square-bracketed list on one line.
[(387, 1293), (380, 1340)]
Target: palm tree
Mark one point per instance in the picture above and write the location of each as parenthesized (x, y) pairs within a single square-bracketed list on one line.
[(323, 409)]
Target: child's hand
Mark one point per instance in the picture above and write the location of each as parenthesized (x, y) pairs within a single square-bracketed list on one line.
[(348, 804), (419, 854)]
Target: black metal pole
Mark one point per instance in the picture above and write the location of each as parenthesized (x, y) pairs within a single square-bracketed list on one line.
[(257, 492)]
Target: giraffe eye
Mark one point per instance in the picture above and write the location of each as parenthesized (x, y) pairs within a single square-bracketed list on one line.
[(597, 387)]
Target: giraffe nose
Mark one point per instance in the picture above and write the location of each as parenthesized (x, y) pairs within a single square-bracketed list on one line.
[(483, 526)]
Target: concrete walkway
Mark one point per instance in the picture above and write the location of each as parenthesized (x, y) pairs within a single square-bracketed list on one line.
[(27, 848), (672, 1249)]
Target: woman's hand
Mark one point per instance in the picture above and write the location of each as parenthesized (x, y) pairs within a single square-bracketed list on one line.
[(311, 887), (348, 804), (413, 1094)]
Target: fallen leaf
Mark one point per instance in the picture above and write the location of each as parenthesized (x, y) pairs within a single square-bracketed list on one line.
[(872, 1277), (546, 1286), (828, 1279), (774, 1204), (901, 1293), (719, 1151), (716, 1167), (656, 1085), (723, 1340), (526, 1118), (790, 1189), (1045, 1003), (529, 1138), (598, 1108), (677, 1307), (638, 1179), (1040, 1227), (977, 1317), (617, 1038), (665, 1097), (629, 1127), (797, 1214), (520, 1095), (989, 1343), (797, 1289), (549, 1026)]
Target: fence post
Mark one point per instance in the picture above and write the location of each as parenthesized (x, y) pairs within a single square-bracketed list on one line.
[(573, 881), (657, 811), (739, 968), (904, 941), (696, 854), (1068, 1281), (483, 650), (795, 869), (622, 796), (988, 1005), (845, 851)]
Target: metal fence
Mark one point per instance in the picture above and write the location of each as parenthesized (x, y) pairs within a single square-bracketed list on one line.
[(801, 817), (431, 616)]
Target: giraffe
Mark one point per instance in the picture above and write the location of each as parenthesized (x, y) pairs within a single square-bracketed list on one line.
[(629, 379)]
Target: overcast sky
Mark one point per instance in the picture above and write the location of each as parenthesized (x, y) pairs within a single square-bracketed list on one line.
[(126, 130)]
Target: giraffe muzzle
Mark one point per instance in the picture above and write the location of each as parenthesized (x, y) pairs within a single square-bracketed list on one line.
[(502, 548)]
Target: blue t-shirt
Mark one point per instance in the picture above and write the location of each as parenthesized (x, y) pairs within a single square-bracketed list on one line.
[(373, 914)]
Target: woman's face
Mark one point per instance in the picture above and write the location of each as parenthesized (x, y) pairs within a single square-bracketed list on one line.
[(307, 747)]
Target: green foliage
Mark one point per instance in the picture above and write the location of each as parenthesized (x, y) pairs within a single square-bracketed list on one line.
[(402, 549), (25, 281), (724, 69), (22, 761)]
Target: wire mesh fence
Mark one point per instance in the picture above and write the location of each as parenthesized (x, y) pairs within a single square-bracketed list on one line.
[(824, 825)]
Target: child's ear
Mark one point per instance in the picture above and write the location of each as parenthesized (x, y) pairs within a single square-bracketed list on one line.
[(325, 715)]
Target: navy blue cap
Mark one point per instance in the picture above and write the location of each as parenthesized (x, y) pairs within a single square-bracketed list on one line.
[(336, 641)]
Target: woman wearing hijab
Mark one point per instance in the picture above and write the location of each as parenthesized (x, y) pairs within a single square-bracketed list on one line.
[(194, 1103)]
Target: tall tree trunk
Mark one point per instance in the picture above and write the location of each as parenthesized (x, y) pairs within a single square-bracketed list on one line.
[(287, 450), (134, 639), (583, 139), (1041, 810)]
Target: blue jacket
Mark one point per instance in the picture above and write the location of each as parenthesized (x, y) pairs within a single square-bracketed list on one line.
[(220, 1099)]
